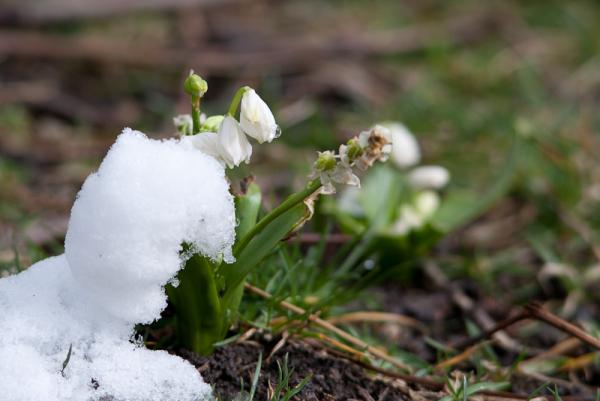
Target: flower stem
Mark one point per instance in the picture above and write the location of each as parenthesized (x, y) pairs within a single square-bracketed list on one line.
[(286, 205), (237, 98), (195, 115)]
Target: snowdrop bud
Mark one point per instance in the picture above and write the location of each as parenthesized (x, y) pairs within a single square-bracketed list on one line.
[(256, 118), (434, 177), (194, 85), (233, 145), (212, 123), (353, 149), (405, 149)]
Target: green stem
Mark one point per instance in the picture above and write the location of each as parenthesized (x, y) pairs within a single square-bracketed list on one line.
[(195, 114), (286, 205), (237, 98)]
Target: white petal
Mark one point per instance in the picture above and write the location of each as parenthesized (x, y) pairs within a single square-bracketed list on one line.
[(256, 119), (206, 142), (234, 147), (434, 177)]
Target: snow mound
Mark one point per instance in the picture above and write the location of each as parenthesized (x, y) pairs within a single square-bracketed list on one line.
[(123, 245)]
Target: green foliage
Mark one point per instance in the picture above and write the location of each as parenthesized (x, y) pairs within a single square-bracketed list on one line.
[(465, 390)]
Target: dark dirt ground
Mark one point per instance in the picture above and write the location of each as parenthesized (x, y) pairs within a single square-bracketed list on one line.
[(332, 377), (441, 310)]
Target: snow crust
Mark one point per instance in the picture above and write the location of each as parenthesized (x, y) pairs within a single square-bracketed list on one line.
[(122, 246)]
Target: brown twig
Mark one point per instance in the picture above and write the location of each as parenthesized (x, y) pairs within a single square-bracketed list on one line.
[(538, 312), (468, 342)]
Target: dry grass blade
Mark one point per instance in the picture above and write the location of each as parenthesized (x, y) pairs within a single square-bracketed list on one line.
[(580, 362), (332, 328), (559, 349), (379, 317), (455, 360)]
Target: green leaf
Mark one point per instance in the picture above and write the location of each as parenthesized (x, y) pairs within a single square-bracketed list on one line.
[(380, 194), (259, 247), (247, 207), (487, 386), (255, 377), (197, 305)]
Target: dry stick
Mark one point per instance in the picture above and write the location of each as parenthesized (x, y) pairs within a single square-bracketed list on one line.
[(330, 327), (491, 331), (538, 312), (469, 306), (534, 311)]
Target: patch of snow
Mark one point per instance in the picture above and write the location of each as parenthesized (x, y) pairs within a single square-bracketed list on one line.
[(122, 246)]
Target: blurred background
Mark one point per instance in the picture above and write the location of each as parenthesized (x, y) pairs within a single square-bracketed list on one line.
[(466, 77), (463, 76)]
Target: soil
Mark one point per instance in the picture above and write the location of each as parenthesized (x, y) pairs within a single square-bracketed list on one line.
[(332, 377)]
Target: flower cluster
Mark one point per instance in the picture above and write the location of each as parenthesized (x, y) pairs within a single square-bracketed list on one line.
[(359, 152), (224, 138)]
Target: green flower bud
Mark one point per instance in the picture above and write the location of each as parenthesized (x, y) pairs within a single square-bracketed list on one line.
[(194, 85), (212, 123), (354, 149), (326, 161)]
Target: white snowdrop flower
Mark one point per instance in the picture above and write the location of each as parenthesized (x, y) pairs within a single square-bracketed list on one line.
[(257, 119), (234, 147), (434, 177), (207, 142), (405, 149)]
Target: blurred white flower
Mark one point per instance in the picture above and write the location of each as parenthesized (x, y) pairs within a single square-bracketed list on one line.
[(405, 149), (427, 203), (234, 147), (416, 214), (408, 219), (256, 118), (183, 123), (434, 177)]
